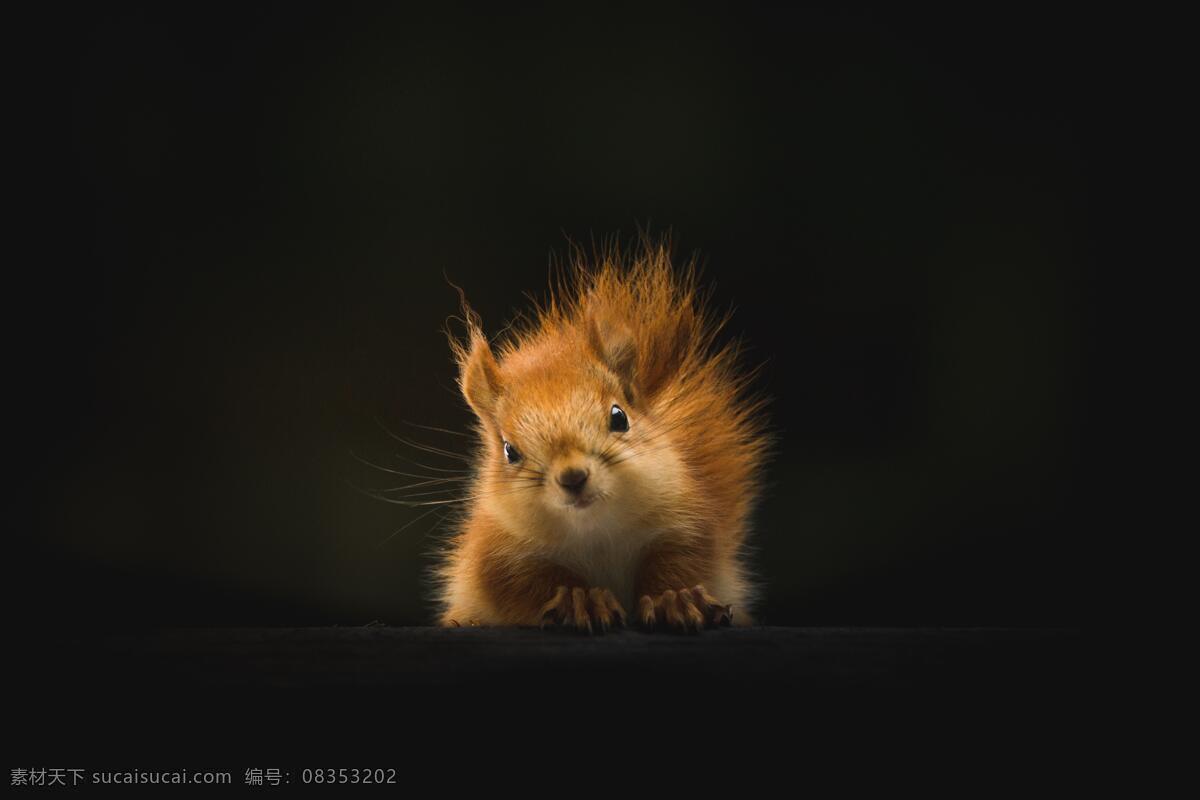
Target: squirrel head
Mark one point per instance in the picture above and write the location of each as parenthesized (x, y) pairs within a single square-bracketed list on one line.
[(571, 438)]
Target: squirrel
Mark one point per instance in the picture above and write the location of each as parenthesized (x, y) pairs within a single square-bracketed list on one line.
[(620, 457)]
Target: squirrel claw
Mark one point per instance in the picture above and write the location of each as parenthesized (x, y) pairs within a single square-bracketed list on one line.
[(683, 611), (589, 611)]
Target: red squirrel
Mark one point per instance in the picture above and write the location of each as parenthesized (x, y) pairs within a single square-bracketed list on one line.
[(620, 456)]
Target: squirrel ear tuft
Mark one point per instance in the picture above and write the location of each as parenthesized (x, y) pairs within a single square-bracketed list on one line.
[(613, 342), (479, 376)]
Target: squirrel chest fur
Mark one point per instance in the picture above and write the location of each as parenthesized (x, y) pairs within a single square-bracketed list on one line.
[(618, 460)]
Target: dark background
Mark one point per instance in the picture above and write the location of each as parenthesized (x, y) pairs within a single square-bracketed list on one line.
[(246, 222)]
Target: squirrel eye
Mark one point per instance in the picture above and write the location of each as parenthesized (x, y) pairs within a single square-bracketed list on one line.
[(511, 453), (617, 421)]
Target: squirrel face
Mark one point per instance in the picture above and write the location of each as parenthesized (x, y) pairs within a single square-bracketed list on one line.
[(568, 450)]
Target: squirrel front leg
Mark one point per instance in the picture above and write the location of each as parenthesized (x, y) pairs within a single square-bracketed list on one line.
[(549, 595), (507, 588), (671, 594)]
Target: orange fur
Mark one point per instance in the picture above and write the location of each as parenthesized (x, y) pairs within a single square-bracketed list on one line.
[(660, 523)]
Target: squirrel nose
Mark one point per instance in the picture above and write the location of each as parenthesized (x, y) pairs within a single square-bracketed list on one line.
[(572, 479)]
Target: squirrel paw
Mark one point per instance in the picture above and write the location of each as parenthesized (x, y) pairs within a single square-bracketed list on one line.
[(687, 610), (585, 610)]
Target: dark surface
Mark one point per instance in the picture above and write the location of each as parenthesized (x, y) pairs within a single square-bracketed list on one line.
[(427, 693), (799, 658)]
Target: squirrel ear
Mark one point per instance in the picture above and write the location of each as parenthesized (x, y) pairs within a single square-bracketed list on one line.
[(613, 342), (479, 377)]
